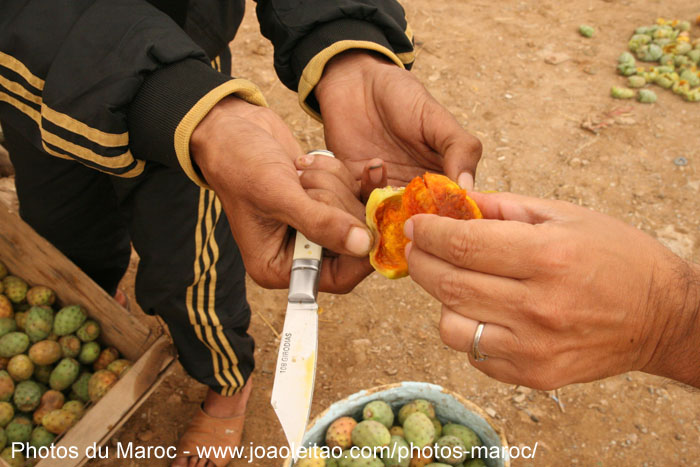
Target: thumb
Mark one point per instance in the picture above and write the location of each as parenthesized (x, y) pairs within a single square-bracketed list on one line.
[(374, 175), (512, 207), (327, 225)]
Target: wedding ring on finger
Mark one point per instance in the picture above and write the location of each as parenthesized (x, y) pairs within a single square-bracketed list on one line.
[(476, 353)]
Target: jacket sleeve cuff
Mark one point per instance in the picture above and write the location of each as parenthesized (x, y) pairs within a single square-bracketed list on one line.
[(311, 55), (170, 104)]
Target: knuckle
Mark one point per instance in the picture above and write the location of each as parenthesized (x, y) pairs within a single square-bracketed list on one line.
[(451, 290), (461, 248)]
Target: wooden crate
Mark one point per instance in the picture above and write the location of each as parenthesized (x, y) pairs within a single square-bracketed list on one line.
[(31, 257)]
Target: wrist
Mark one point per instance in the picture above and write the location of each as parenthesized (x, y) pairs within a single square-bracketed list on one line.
[(677, 353), (348, 68)]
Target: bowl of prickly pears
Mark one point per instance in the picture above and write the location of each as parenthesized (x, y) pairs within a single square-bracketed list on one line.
[(409, 424)]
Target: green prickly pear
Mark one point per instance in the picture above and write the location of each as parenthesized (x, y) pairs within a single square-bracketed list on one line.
[(439, 464), (45, 352), (465, 434), (119, 367), (7, 386), (451, 450), (396, 431), (42, 373), (19, 430), (419, 429), (27, 396), (20, 318), (38, 323), (81, 386), (402, 453), (41, 295), (475, 463), (15, 288), (358, 461), (7, 325), (3, 438), (370, 433), (69, 319), (20, 367), (99, 384), (77, 408), (313, 458), (6, 310), (13, 343), (379, 411), (339, 433), (7, 413), (418, 405), (41, 437), (58, 421), (13, 459), (106, 357), (89, 331), (64, 374), (70, 346), (438, 427), (89, 353)]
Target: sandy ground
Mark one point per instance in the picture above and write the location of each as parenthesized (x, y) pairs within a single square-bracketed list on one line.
[(491, 64)]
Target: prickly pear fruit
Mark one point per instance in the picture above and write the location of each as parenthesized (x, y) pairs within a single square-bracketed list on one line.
[(3, 435), (41, 295), (3, 363), (13, 343), (106, 357), (7, 325), (119, 367), (89, 353), (58, 421), (451, 449), (7, 386), (396, 431), (474, 463), (355, 459), (20, 318), (419, 429), (69, 319), (89, 331), (81, 386), (77, 408), (42, 373), (417, 405), (401, 450), (7, 413), (41, 437), (15, 288), (339, 433), (19, 430), (466, 435), (51, 400), (6, 310), (440, 464), (421, 458), (100, 383), (38, 323), (70, 346), (379, 411), (64, 374), (13, 459), (313, 458), (438, 427), (27, 396), (45, 352), (370, 433), (20, 367)]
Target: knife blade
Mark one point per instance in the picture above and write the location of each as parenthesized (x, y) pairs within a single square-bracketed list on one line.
[(292, 391)]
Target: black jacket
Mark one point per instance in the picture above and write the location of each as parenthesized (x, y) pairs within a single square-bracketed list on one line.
[(115, 83)]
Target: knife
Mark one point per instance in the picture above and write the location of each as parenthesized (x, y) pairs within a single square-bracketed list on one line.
[(293, 389)]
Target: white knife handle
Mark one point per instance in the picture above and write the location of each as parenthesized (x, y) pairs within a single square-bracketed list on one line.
[(306, 249), (306, 270)]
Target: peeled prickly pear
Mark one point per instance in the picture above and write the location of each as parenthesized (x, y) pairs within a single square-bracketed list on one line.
[(13, 343), (58, 421), (41, 295), (379, 411), (370, 433), (64, 374), (45, 352), (339, 433), (419, 429), (69, 319), (100, 383)]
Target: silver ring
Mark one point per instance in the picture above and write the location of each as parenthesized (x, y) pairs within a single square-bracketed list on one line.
[(478, 356)]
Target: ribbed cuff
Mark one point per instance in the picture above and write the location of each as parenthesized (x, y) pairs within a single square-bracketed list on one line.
[(170, 104), (310, 56)]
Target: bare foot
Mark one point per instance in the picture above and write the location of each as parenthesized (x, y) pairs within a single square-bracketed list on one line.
[(218, 406)]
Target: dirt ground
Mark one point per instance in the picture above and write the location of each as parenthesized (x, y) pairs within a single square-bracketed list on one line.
[(519, 76)]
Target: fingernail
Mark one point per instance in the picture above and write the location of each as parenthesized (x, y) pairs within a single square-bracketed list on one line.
[(407, 250), (358, 241), (305, 160), (466, 181), (408, 229), (375, 174)]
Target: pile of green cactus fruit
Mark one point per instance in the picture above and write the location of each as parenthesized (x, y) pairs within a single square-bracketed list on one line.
[(51, 366), (666, 44), (412, 437)]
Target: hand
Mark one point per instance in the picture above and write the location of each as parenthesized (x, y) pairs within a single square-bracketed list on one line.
[(246, 153), (567, 294), (372, 108)]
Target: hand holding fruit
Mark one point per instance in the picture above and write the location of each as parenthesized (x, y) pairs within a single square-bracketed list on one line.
[(568, 295)]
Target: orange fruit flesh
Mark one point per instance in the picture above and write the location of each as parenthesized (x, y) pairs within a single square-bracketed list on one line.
[(390, 219)]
